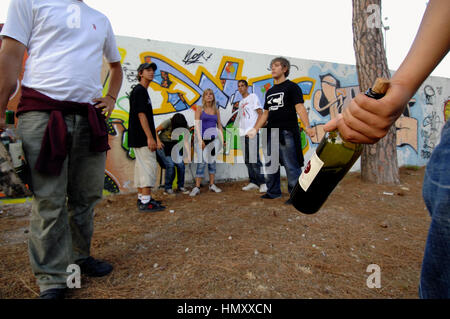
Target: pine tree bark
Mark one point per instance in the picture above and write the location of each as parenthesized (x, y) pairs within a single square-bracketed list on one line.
[(378, 161)]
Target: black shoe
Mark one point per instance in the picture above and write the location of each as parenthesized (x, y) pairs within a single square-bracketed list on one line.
[(288, 202), (53, 293), (267, 196), (95, 268), (151, 206), (154, 201)]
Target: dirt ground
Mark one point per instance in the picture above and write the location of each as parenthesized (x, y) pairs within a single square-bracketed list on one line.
[(236, 245)]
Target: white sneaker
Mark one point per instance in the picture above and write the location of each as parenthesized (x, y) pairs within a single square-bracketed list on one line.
[(195, 191), (214, 188), (250, 187), (168, 192), (183, 190), (263, 188)]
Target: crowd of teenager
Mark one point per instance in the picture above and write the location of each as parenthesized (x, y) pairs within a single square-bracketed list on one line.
[(62, 119), (278, 115)]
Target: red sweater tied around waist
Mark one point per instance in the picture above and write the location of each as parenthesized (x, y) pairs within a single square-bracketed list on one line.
[(54, 144)]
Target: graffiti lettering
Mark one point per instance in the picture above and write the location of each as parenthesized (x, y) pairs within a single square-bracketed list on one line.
[(130, 73), (429, 95), (447, 109), (430, 133), (177, 89), (191, 57), (332, 97)]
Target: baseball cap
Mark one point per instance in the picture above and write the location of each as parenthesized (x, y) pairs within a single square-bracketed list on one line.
[(146, 65)]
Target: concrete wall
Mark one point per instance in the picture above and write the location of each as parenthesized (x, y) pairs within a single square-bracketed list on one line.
[(184, 71)]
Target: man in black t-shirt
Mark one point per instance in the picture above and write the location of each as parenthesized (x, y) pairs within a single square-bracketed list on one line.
[(142, 138), (283, 102)]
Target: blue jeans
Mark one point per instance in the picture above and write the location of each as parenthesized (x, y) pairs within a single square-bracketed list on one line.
[(252, 161), (207, 158), (435, 276), (288, 158), (170, 170)]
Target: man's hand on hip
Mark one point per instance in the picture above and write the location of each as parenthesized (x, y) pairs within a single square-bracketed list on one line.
[(107, 105)]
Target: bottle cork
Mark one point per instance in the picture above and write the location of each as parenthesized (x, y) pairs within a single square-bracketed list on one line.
[(380, 86)]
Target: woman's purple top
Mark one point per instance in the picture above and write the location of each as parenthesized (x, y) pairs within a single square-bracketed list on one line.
[(208, 121)]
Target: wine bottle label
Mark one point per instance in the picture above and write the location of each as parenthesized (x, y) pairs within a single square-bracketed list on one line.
[(17, 156), (312, 169)]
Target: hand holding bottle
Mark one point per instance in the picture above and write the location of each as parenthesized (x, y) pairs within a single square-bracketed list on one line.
[(366, 120), (332, 159)]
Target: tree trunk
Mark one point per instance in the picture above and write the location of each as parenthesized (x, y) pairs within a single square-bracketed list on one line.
[(379, 161)]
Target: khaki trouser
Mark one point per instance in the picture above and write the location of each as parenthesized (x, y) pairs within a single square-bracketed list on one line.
[(61, 223), (146, 167)]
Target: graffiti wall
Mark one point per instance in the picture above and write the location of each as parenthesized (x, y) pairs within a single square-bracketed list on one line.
[(185, 71)]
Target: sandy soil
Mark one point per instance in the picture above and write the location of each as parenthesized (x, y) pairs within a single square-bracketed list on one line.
[(236, 245)]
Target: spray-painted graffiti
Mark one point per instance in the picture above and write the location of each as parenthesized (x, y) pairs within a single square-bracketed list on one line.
[(406, 126), (184, 72), (430, 133), (179, 91), (447, 110), (330, 99), (182, 76), (192, 57), (429, 94)]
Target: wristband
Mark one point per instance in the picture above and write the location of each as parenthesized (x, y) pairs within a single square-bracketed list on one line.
[(111, 97)]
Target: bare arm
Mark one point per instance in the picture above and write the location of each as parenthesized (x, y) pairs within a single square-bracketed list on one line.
[(197, 130), (262, 119), (366, 120), (219, 125), (159, 129), (11, 57), (159, 144), (301, 111), (260, 113), (151, 142), (109, 100)]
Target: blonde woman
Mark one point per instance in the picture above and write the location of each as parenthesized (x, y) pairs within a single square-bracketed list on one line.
[(208, 129)]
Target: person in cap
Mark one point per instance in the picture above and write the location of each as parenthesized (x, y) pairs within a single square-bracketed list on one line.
[(142, 138), (64, 135)]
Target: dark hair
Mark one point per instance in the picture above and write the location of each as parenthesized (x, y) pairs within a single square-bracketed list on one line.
[(243, 81), (284, 63), (144, 66), (178, 120)]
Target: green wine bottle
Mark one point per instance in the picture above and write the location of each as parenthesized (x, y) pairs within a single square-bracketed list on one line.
[(333, 158), (13, 144)]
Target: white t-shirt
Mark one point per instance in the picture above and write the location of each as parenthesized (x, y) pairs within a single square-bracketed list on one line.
[(247, 113), (66, 41)]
